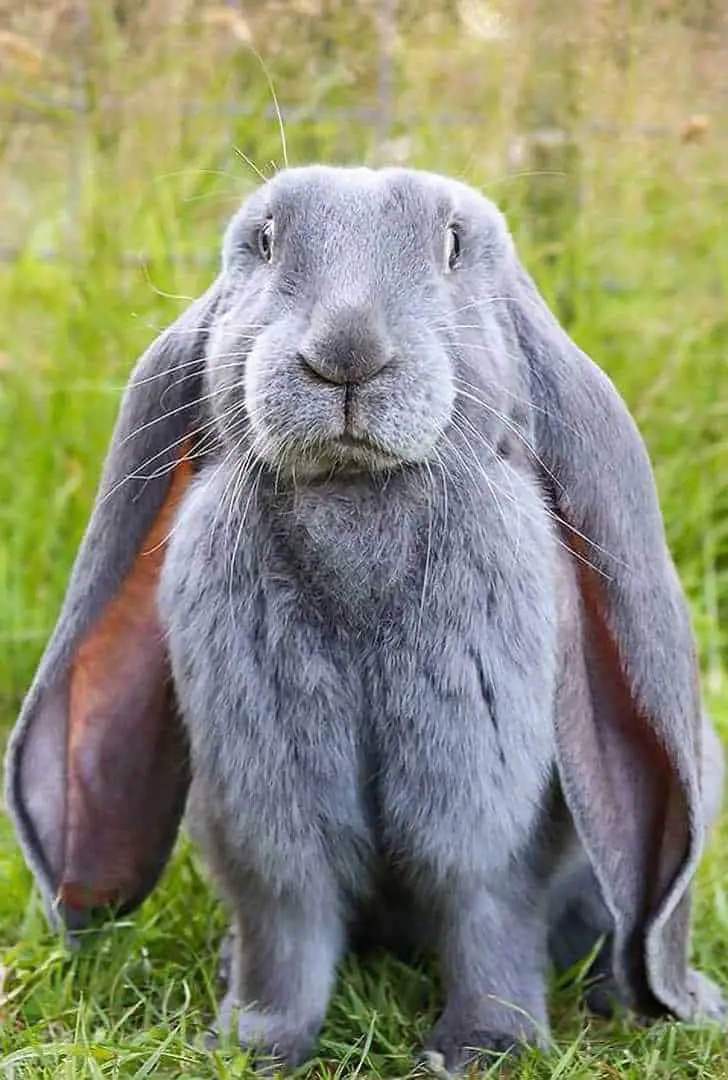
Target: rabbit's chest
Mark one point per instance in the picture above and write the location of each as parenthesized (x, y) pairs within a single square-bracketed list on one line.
[(461, 716), (387, 679)]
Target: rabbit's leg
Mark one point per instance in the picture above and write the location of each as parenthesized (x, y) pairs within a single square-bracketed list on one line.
[(225, 957), (492, 951), (284, 951), (581, 925)]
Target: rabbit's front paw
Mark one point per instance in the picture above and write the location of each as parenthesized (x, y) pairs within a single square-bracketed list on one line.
[(275, 1039), (452, 1051)]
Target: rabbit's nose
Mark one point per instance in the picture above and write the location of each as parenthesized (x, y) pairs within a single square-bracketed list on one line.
[(351, 347)]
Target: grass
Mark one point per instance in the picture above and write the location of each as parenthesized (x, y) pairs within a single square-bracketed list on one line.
[(623, 234), (137, 999)]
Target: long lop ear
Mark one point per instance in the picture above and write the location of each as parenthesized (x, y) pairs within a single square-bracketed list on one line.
[(96, 767), (630, 743)]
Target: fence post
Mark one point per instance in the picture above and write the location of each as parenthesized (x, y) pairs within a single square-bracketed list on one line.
[(550, 115), (78, 144), (385, 104)]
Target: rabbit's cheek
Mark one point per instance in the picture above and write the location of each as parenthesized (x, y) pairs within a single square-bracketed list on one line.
[(407, 413), (287, 415), (226, 397)]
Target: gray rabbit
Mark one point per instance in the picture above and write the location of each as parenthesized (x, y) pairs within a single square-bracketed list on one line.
[(376, 585)]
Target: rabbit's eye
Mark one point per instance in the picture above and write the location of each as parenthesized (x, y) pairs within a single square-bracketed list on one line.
[(452, 248), (265, 240)]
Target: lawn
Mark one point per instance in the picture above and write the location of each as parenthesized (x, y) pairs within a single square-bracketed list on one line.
[(622, 224)]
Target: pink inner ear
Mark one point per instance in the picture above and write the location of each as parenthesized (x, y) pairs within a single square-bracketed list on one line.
[(127, 766)]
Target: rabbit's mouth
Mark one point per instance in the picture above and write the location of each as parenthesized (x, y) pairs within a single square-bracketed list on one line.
[(349, 452), (343, 448), (359, 442), (344, 453)]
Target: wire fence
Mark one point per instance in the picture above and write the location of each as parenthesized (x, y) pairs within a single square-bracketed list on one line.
[(73, 108)]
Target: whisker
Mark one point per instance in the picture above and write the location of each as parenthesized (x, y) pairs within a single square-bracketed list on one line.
[(165, 539), (197, 330), (198, 364), (445, 478), (428, 554), (525, 174), (499, 461), (469, 474), (473, 303), (515, 431), (234, 555), (556, 518), (184, 437), (166, 415), (229, 487), (482, 471), (517, 398), (242, 475), (174, 173)]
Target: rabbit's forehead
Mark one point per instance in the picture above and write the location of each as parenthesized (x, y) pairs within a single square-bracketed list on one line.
[(391, 200)]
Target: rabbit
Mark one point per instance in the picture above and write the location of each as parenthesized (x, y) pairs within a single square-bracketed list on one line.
[(375, 593)]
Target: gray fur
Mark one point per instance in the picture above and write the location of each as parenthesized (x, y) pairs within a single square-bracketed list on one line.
[(391, 668), (580, 922)]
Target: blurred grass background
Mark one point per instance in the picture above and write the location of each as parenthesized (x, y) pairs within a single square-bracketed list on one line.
[(128, 133)]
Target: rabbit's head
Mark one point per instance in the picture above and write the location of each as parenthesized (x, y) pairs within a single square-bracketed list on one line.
[(335, 353), (356, 315)]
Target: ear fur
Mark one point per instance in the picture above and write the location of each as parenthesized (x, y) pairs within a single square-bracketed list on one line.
[(96, 767), (579, 918), (629, 727)]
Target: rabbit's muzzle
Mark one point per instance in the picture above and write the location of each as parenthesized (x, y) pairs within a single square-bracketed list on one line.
[(353, 393)]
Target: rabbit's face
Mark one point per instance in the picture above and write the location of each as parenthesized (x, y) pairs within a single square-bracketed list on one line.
[(355, 316)]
